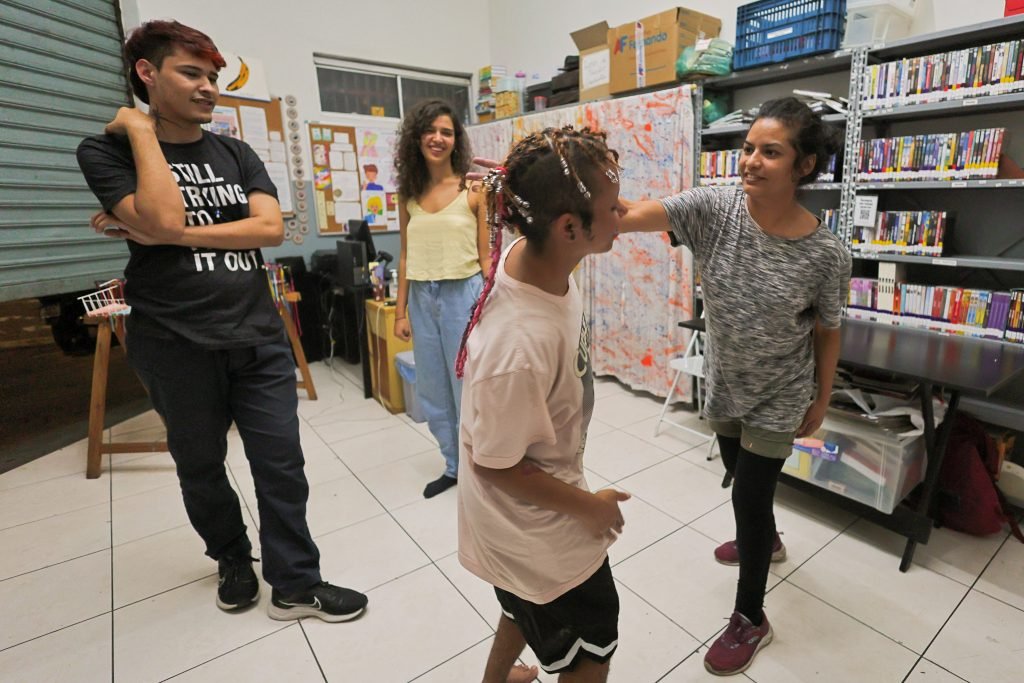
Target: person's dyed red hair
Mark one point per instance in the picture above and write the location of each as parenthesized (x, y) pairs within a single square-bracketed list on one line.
[(156, 40)]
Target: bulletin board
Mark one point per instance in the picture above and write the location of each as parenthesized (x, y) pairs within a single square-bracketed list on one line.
[(353, 177), (261, 126)]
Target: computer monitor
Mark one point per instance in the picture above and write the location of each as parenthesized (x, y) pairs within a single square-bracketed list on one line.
[(359, 230), (352, 264)]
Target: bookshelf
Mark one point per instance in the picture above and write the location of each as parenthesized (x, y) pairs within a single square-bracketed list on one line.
[(983, 248)]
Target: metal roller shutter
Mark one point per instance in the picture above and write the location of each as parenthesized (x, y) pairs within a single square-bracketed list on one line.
[(61, 79)]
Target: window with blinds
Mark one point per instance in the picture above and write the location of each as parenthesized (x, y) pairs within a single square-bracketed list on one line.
[(61, 79), (368, 89)]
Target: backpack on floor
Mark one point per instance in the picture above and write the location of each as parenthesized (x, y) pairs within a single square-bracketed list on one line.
[(967, 498)]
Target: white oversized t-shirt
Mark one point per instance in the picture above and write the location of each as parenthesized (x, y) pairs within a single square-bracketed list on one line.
[(528, 392)]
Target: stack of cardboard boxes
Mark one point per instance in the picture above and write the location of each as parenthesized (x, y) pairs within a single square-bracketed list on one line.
[(639, 54)]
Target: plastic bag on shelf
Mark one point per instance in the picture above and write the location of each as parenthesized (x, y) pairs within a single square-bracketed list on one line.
[(712, 58)]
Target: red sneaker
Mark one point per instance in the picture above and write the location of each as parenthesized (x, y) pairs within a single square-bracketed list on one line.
[(728, 554), (734, 650)]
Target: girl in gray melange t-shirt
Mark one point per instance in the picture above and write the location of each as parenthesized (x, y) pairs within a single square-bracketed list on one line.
[(763, 296), (775, 281)]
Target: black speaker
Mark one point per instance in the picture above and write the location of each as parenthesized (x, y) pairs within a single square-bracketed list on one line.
[(352, 270), (324, 262)]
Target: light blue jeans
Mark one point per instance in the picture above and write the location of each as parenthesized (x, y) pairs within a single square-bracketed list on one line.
[(438, 313)]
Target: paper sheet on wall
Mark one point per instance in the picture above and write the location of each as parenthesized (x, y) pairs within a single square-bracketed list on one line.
[(346, 211), (321, 212), (350, 160), (345, 185), (278, 173), (374, 208), (254, 127), (278, 152), (337, 160), (224, 122)]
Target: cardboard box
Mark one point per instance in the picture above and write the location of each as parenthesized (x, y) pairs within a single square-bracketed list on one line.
[(664, 36), (595, 60)]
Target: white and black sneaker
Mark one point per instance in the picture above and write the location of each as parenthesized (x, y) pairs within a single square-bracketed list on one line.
[(327, 602), (238, 585)]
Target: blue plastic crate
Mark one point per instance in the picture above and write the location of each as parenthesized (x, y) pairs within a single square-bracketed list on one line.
[(772, 31)]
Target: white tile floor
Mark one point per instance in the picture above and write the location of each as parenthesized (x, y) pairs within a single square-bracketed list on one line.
[(104, 580)]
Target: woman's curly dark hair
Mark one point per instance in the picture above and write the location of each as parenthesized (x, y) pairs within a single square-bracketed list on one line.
[(410, 165)]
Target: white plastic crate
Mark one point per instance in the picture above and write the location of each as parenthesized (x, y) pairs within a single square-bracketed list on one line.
[(861, 462), (871, 22)]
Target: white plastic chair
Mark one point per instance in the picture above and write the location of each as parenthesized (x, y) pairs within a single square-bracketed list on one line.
[(690, 364)]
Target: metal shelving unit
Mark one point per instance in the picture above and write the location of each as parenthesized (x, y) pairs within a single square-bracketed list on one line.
[(958, 107), (982, 184), (984, 262), (797, 68)]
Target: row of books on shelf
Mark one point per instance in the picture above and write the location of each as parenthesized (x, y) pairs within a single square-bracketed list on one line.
[(722, 167), (953, 310), (902, 232), (938, 156), (994, 69), (830, 217)]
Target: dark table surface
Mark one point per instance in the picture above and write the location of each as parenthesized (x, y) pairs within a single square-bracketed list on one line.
[(976, 366)]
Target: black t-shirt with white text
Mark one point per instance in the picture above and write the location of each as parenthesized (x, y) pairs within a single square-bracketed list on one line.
[(215, 298)]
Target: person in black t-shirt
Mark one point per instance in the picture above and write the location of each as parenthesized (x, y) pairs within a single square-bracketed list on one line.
[(203, 333)]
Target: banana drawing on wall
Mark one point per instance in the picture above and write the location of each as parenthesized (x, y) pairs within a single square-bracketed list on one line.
[(244, 77), (241, 79)]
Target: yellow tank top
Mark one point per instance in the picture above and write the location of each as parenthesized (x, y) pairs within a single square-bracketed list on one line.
[(441, 245)]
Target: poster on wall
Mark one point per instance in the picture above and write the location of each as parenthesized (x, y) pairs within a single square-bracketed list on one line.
[(243, 77), (375, 151), (225, 122), (335, 177), (354, 176)]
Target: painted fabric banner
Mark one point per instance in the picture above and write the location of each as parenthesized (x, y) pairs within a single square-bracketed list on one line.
[(638, 292)]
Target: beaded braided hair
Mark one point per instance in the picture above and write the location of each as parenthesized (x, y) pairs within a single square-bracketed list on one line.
[(546, 175)]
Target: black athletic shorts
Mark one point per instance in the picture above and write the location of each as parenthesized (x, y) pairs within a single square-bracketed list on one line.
[(580, 623)]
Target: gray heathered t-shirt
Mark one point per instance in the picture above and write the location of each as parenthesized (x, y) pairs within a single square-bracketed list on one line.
[(762, 295)]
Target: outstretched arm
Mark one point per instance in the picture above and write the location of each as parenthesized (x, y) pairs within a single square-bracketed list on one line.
[(645, 215)]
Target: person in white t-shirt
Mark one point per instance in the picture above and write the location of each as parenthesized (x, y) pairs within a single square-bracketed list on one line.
[(528, 523)]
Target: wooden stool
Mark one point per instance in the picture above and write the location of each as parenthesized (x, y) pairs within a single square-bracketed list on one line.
[(293, 336), (98, 399)]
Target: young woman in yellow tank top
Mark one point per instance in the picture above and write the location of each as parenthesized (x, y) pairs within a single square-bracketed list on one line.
[(445, 247)]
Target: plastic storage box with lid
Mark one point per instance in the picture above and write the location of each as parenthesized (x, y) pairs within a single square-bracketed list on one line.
[(406, 366), (771, 31), (871, 22), (865, 463)]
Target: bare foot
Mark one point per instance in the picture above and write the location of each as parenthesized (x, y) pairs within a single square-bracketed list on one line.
[(522, 674)]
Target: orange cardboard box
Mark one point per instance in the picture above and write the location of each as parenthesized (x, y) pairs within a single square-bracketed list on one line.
[(664, 36)]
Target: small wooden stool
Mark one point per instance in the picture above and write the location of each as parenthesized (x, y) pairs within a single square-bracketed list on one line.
[(293, 336), (105, 326)]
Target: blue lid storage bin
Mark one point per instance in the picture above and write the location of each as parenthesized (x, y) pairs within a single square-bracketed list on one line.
[(771, 31), (406, 367)]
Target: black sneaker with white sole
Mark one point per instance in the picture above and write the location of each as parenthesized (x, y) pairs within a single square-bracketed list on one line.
[(327, 602), (238, 585)]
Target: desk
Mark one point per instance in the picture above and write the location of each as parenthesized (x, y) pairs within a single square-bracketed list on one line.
[(384, 346), (956, 364)]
